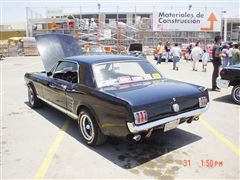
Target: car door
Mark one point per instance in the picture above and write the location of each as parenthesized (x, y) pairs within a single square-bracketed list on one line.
[(58, 84)]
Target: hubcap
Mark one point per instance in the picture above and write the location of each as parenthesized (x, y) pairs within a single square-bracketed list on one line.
[(31, 96), (237, 94), (86, 127)]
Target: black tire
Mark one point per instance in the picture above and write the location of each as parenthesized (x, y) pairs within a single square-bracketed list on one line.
[(34, 102), (90, 132), (236, 94)]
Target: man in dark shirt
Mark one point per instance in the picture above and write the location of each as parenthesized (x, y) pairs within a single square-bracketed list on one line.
[(217, 62), (167, 50)]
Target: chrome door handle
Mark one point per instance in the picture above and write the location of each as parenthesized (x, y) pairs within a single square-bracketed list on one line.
[(64, 87), (52, 86)]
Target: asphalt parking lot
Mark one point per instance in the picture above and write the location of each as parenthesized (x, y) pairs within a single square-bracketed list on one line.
[(45, 143)]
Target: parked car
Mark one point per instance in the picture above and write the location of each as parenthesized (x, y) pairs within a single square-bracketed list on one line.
[(136, 49), (113, 95), (230, 76)]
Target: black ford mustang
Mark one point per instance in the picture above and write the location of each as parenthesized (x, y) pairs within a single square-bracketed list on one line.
[(119, 96), (230, 76)]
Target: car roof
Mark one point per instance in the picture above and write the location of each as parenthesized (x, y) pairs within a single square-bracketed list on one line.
[(93, 59)]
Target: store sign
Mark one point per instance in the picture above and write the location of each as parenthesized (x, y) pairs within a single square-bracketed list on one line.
[(187, 20)]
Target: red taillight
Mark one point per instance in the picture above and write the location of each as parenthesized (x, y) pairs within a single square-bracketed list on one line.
[(222, 72), (140, 117)]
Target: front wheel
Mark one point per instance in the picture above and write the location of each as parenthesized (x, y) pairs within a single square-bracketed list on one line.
[(34, 102), (236, 94), (89, 129)]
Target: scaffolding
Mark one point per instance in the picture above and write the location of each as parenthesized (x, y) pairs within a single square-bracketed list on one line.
[(110, 27)]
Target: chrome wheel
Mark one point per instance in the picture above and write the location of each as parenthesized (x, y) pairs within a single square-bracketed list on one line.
[(86, 127), (236, 94)]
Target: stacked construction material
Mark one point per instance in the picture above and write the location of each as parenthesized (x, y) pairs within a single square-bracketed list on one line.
[(30, 46), (4, 48)]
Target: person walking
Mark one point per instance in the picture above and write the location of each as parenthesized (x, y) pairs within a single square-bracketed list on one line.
[(216, 55), (189, 51), (167, 52), (196, 55), (176, 52), (160, 49), (225, 55), (205, 59)]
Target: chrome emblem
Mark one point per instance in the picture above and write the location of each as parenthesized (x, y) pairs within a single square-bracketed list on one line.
[(175, 107)]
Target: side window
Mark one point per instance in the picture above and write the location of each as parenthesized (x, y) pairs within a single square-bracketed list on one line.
[(66, 66), (67, 71)]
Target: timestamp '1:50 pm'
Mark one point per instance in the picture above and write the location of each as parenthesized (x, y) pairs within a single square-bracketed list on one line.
[(205, 163)]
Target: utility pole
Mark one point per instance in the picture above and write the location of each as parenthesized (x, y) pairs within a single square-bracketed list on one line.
[(98, 28), (225, 26), (27, 29)]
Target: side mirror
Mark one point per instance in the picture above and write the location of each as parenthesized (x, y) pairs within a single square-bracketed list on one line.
[(49, 73)]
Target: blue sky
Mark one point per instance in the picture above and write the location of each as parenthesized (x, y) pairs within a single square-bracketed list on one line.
[(15, 11)]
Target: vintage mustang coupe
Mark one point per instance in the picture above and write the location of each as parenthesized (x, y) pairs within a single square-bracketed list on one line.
[(230, 76), (120, 96)]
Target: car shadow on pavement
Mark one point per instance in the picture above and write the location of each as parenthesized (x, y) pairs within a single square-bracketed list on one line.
[(225, 99), (124, 153)]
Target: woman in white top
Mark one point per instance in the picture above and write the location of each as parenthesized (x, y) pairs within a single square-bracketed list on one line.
[(205, 59), (196, 55)]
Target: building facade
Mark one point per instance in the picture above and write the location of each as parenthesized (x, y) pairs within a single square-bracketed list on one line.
[(124, 28)]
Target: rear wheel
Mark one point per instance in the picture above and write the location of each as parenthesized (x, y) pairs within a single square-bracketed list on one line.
[(89, 129), (236, 94), (34, 102)]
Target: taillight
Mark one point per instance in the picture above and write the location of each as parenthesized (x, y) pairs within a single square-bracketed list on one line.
[(140, 117), (222, 72)]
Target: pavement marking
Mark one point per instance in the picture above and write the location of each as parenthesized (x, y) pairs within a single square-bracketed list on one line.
[(230, 145), (51, 152), (1, 93)]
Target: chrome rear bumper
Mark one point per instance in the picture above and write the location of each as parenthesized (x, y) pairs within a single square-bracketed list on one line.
[(145, 127), (222, 83)]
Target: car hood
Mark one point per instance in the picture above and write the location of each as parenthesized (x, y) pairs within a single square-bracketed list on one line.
[(151, 92), (237, 66), (53, 47)]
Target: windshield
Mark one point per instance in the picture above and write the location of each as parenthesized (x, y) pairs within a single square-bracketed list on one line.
[(114, 73)]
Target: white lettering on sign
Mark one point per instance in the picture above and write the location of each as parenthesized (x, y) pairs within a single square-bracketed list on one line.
[(194, 20)]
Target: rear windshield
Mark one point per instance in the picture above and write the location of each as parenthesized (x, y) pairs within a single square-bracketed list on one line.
[(114, 73)]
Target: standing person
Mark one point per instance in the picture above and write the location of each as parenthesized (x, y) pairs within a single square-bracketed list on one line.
[(205, 59), (230, 54), (196, 55), (176, 52), (167, 50), (236, 54), (225, 54), (189, 50), (159, 52), (216, 55)]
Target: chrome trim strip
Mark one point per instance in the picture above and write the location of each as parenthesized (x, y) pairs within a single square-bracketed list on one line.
[(136, 129), (70, 114)]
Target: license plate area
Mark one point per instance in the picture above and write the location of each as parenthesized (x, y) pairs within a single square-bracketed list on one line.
[(171, 125), (202, 101)]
